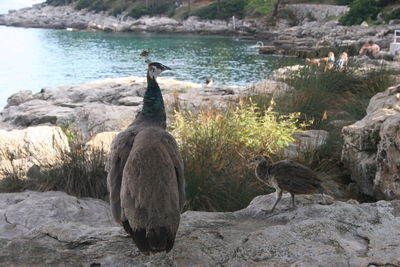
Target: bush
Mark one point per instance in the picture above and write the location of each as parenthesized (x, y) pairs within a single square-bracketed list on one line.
[(154, 9), (344, 2), (59, 2), (94, 5), (262, 7), (336, 94), (216, 147), (363, 10), (228, 9)]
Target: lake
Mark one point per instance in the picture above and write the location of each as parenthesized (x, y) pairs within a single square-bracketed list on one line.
[(32, 59)]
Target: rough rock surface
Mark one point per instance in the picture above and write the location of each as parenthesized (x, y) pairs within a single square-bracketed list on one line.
[(306, 142), (320, 13), (54, 229), (104, 105), (372, 147), (40, 145), (67, 17), (311, 25), (112, 104)]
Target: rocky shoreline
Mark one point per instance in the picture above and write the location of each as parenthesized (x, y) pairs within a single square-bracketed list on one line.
[(313, 30)]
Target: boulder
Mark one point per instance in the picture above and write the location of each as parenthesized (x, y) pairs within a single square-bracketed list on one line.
[(371, 147), (41, 146), (101, 142), (305, 143), (55, 229), (104, 105)]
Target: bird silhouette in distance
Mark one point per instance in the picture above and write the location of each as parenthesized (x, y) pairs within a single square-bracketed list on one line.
[(145, 174), (287, 175)]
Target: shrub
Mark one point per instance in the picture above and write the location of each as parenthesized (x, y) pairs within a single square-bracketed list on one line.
[(154, 9), (262, 7), (337, 94), (363, 10), (59, 2), (81, 4), (228, 8), (95, 5), (344, 2), (216, 147)]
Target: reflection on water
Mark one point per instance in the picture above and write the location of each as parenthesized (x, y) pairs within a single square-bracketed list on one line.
[(35, 58)]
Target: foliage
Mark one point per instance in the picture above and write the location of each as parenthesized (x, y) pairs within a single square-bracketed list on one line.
[(363, 10), (59, 2), (344, 2), (95, 5), (228, 8), (336, 94), (262, 7), (153, 9), (80, 172), (216, 147), (393, 14)]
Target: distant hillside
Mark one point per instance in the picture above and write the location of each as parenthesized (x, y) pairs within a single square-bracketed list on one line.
[(361, 10)]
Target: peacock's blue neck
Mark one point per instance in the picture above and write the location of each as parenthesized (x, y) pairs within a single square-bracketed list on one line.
[(153, 104)]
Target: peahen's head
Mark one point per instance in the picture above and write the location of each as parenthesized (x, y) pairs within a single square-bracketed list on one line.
[(155, 68), (259, 159)]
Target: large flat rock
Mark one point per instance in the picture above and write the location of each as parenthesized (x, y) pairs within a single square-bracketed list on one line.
[(54, 229), (104, 105)]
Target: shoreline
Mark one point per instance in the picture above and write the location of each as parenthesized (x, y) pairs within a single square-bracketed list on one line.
[(323, 31)]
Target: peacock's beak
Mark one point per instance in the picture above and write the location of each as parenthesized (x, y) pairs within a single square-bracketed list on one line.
[(166, 68)]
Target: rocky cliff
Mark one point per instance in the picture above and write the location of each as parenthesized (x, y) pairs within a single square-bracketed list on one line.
[(371, 147), (54, 229)]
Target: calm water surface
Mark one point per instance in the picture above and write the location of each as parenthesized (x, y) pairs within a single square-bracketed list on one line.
[(31, 59)]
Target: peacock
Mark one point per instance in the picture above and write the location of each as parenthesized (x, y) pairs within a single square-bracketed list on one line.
[(145, 174)]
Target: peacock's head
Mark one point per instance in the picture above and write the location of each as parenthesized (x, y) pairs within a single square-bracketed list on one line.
[(154, 69), (259, 159)]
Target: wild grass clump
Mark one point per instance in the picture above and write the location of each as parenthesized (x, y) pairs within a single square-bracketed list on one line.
[(80, 172), (216, 147), (338, 94)]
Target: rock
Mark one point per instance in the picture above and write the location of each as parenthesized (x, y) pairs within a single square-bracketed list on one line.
[(20, 97), (371, 147), (306, 142), (310, 12), (105, 105), (54, 229), (41, 145), (270, 87), (101, 142)]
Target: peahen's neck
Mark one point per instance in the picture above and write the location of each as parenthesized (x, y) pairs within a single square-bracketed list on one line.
[(262, 170), (153, 105)]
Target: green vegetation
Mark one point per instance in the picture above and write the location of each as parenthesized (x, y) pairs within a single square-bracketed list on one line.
[(364, 10), (333, 95), (154, 9), (227, 9), (216, 146)]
